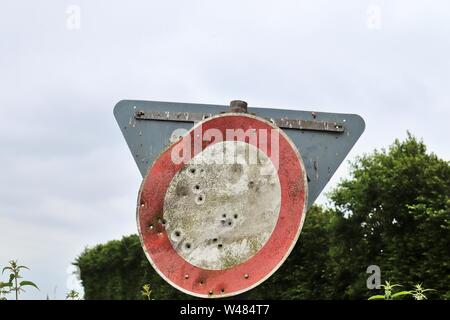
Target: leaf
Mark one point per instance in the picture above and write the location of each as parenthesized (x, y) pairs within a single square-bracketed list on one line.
[(4, 285), (6, 268), (28, 283), (22, 267), (401, 293), (12, 276), (377, 297)]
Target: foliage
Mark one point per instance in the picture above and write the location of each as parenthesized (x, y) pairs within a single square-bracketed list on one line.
[(393, 211), (73, 295), (5, 288), (14, 284), (417, 293), (388, 295), (146, 292), (118, 270)]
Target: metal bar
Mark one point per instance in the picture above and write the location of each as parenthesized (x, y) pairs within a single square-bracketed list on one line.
[(284, 123)]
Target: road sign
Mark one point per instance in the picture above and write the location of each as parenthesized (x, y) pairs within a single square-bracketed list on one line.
[(225, 191), (221, 209)]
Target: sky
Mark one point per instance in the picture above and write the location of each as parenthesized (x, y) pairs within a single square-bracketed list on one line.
[(67, 178)]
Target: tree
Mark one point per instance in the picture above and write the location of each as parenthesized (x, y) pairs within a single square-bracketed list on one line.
[(393, 211)]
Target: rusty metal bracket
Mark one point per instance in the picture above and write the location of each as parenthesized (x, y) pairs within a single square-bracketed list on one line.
[(284, 123)]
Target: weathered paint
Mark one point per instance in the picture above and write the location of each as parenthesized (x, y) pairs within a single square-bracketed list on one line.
[(219, 214), (239, 276)]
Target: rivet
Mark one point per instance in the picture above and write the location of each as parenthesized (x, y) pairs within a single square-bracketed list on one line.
[(246, 276), (186, 276), (210, 292)]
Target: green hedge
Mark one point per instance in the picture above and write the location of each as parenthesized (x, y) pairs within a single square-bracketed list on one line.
[(119, 269)]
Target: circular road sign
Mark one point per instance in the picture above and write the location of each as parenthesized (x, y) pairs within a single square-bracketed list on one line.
[(220, 209)]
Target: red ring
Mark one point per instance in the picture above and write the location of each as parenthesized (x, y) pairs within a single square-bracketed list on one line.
[(242, 277)]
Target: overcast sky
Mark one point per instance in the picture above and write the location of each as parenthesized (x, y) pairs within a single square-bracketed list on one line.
[(67, 179)]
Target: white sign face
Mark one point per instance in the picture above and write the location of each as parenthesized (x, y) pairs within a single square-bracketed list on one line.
[(223, 206)]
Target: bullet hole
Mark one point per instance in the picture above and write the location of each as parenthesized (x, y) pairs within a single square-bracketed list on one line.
[(222, 290), (196, 188), (187, 245), (220, 246), (200, 199), (235, 216), (192, 170), (215, 240), (177, 234)]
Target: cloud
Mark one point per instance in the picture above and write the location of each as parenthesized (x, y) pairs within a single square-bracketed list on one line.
[(67, 179)]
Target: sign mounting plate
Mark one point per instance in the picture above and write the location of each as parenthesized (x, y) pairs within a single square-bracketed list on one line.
[(322, 149)]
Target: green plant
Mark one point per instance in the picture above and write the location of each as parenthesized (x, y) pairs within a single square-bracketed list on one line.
[(73, 295), (14, 276), (4, 290), (418, 292), (388, 292), (146, 292)]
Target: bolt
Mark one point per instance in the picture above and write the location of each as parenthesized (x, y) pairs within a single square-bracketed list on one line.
[(238, 106)]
